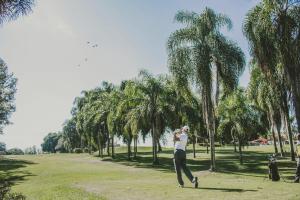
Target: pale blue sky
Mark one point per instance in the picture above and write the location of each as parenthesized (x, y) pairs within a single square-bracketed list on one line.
[(44, 49)]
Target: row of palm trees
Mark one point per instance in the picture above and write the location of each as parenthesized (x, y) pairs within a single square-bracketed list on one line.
[(202, 89), (149, 104), (273, 31)]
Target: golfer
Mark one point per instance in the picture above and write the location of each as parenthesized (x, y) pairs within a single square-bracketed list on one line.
[(181, 138), (297, 176)]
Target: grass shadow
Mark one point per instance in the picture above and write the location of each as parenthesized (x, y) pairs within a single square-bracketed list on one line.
[(255, 162), (222, 189), (11, 171)]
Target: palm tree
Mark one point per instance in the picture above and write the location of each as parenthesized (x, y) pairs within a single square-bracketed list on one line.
[(153, 97), (195, 49), (268, 98), (236, 112), (12, 9), (273, 31)]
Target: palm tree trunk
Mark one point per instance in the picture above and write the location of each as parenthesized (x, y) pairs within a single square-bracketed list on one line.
[(155, 160), (99, 144), (240, 152), (288, 127), (274, 137), (159, 146), (271, 123), (90, 146), (134, 147), (278, 126), (112, 147), (194, 149), (296, 100), (212, 139), (108, 146), (129, 147)]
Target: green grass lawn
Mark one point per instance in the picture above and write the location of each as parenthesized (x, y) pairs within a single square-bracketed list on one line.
[(82, 176)]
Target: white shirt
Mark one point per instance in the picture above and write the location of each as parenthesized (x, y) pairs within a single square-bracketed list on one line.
[(181, 144)]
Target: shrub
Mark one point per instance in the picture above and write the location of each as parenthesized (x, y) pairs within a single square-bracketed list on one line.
[(6, 194), (77, 150), (86, 150), (15, 151)]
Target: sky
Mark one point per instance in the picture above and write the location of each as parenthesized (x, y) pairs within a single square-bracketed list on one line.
[(49, 53)]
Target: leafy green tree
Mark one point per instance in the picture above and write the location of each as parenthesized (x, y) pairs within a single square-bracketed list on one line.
[(7, 95), (269, 99), (151, 95), (50, 142), (273, 30), (12, 9), (15, 151), (71, 138), (2, 146), (31, 150), (237, 113), (194, 49)]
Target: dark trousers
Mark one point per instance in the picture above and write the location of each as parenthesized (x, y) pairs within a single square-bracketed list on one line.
[(180, 163)]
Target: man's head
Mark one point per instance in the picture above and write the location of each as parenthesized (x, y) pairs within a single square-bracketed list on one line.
[(185, 129)]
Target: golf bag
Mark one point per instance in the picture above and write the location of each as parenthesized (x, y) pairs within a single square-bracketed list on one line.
[(273, 169)]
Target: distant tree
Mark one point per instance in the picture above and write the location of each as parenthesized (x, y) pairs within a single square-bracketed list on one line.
[(15, 151), (31, 150), (2, 146), (7, 95), (71, 138), (12, 9), (50, 142)]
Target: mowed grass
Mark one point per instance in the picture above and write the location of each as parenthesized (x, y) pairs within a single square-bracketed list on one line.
[(83, 176)]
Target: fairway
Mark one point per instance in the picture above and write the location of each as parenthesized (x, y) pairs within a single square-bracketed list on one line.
[(82, 176)]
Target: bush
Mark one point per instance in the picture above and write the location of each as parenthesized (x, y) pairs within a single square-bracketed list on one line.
[(6, 194), (15, 151), (77, 150), (86, 150)]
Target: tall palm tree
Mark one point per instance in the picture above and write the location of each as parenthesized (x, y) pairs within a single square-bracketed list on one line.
[(195, 49), (236, 112), (273, 31), (264, 96), (12, 9), (153, 102)]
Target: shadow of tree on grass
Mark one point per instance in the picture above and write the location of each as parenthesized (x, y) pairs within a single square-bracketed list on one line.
[(12, 172), (255, 162)]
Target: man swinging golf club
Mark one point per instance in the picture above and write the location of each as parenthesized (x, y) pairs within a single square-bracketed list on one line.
[(181, 138)]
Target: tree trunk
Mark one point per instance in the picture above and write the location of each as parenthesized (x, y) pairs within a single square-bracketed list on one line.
[(212, 143), (288, 129), (99, 144), (129, 148), (288, 126), (234, 144), (296, 100), (240, 152), (278, 126), (108, 146), (155, 159), (194, 148), (90, 146), (134, 147), (112, 147), (271, 122), (274, 139), (159, 146)]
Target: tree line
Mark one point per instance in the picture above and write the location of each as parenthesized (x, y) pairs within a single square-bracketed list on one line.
[(202, 88)]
